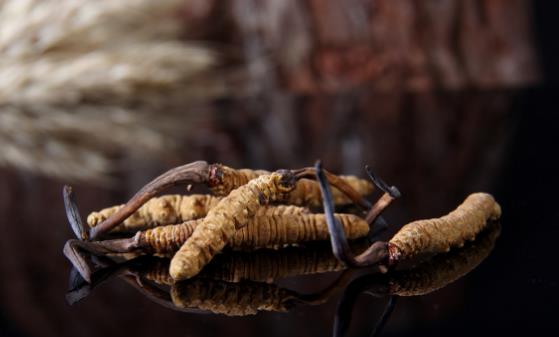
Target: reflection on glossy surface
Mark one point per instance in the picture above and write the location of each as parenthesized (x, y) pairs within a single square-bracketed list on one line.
[(426, 277), (235, 284)]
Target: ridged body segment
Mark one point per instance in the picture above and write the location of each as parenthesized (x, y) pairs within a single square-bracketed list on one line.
[(274, 231), (221, 222), (164, 210), (439, 235), (224, 179), (272, 226), (307, 192)]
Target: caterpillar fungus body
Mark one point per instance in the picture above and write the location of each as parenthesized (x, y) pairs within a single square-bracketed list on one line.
[(221, 222), (174, 209), (444, 269), (263, 230), (439, 235), (224, 179), (164, 210)]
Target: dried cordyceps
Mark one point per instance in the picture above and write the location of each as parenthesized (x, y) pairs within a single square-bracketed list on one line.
[(221, 222), (201, 172), (269, 231), (450, 231), (164, 210), (224, 179), (417, 238), (260, 231), (174, 209), (230, 214), (272, 226)]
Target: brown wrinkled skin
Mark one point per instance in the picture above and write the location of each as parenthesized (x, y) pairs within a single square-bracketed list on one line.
[(224, 179), (439, 235), (221, 222), (263, 230), (443, 269), (276, 231), (164, 210), (168, 239), (231, 299)]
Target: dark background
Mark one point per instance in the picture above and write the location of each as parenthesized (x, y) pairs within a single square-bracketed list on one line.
[(436, 146)]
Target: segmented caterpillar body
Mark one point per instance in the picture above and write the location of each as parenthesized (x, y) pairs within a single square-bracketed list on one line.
[(443, 269), (439, 235), (262, 230), (164, 210), (223, 180), (174, 209), (221, 222)]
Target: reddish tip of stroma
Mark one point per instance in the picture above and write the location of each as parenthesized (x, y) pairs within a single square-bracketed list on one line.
[(393, 254)]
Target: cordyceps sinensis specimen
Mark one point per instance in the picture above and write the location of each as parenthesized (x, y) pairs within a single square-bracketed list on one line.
[(222, 180), (158, 211), (439, 235), (231, 213), (174, 209), (261, 231), (233, 285), (270, 227), (418, 238)]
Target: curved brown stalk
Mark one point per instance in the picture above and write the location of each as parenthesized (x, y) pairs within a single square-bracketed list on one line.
[(376, 252), (193, 173)]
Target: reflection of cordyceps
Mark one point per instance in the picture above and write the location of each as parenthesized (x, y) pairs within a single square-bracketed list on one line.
[(232, 299), (444, 269), (260, 266), (233, 284), (272, 265), (250, 297)]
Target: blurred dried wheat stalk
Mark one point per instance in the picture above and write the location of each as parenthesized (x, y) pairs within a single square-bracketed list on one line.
[(85, 80)]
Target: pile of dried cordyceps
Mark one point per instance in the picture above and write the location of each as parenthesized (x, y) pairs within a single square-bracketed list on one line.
[(251, 209)]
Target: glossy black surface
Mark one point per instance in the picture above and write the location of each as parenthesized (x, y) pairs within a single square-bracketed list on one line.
[(512, 292)]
